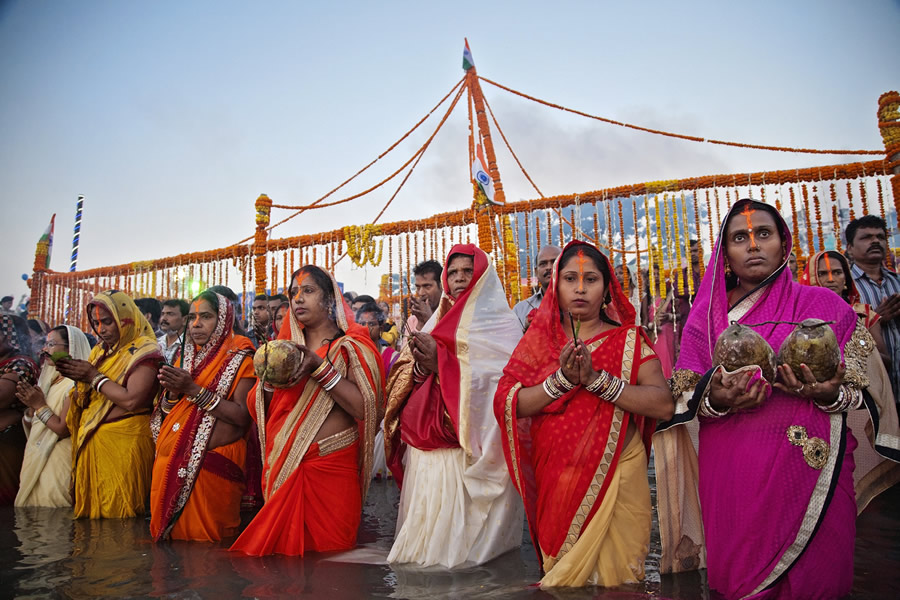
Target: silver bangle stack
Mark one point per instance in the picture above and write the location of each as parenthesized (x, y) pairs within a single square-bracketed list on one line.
[(607, 386), (848, 399), (44, 414), (419, 374), (556, 385)]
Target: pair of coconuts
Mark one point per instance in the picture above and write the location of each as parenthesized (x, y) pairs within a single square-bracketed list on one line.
[(278, 363), (812, 343)]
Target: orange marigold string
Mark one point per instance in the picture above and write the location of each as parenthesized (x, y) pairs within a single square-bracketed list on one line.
[(596, 224), (637, 247), (796, 229), (819, 234), (622, 242), (837, 229), (700, 231), (809, 233), (863, 199), (880, 198), (676, 263), (850, 201)]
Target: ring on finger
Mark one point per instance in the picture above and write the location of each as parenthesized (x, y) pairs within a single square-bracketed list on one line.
[(800, 389)]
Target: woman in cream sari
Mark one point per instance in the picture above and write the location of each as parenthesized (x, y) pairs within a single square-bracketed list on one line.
[(109, 416), (47, 468)]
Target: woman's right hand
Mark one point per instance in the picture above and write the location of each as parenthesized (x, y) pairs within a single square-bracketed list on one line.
[(727, 391)]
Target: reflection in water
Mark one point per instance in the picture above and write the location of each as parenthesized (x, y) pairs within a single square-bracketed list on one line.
[(44, 553)]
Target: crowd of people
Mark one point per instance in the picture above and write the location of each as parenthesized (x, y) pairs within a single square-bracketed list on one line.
[(486, 415)]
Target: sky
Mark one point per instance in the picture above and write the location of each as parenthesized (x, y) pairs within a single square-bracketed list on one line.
[(171, 117)]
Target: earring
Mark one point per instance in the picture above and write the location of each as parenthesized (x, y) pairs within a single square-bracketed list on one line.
[(727, 269)]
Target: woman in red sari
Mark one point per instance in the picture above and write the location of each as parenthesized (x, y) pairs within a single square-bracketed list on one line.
[(318, 434), (577, 408), (199, 427)]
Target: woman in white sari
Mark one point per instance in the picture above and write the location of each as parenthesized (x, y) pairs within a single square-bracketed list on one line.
[(46, 474)]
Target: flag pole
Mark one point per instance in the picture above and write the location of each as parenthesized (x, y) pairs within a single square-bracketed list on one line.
[(76, 242)]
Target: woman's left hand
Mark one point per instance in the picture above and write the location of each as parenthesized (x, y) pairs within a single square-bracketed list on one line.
[(822, 392), (177, 380), (77, 370), (30, 395), (311, 361)]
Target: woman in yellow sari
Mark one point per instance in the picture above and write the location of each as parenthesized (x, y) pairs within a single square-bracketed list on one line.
[(109, 416), (46, 477)]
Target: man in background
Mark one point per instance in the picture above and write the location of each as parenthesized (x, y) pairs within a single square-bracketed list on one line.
[(543, 267), (171, 323)]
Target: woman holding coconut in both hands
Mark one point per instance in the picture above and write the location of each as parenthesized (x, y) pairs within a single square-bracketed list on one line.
[(783, 444), (318, 433)]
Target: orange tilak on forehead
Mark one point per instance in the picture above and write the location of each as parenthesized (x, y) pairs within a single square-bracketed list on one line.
[(95, 313), (299, 279), (580, 259), (747, 212), (828, 266)]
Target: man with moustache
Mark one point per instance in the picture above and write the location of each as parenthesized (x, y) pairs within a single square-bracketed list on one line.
[(877, 286), (171, 323), (428, 293), (543, 266)]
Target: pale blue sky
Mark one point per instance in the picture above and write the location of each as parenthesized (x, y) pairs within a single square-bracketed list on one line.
[(172, 116)]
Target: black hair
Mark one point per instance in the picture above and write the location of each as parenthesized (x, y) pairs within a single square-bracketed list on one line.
[(63, 332), (261, 297), (36, 326), (365, 299), (209, 297), (867, 222), (431, 266), (180, 304), (151, 306), (7, 299), (767, 208), (371, 307), (845, 267), (281, 297), (224, 290), (23, 337), (602, 266)]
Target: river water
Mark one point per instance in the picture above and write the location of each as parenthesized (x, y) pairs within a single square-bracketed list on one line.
[(44, 553)]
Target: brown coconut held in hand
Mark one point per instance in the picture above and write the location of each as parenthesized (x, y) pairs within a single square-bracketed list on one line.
[(277, 363), (739, 346), (814, 344)]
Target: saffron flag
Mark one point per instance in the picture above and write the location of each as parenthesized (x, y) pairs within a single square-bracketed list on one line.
[(481, 177), (45, 244), (468, 61)]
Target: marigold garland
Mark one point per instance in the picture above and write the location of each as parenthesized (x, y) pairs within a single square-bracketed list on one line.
[(622, 242), (796, 229), (687, 237), (850, 201), (650, 270), (637, 248), (837, 228), (679, 280), (809, 234), (596, 224), (819, 234), (880, 198), (659, 241)]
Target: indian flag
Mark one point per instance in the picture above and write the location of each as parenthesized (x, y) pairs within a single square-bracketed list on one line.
[(481, 177), (468, 61)]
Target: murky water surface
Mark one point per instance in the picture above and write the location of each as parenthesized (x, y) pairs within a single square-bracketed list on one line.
[(45, 554)]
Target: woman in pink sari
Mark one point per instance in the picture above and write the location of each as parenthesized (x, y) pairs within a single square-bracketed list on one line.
[(775, 462)]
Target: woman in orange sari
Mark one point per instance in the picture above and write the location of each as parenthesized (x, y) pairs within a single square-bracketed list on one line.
[(578, 402), (199, 428), (318, 434)]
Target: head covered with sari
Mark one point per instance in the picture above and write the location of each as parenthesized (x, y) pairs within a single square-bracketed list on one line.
[(14, 331), (778, 298), (750, 453), (850, 294), (79, 348), (136, 345), (474, 334), (354, 351), (530, 444)]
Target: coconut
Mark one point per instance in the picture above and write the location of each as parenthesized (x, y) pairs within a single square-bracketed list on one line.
[(739, 346), (277, 363), (814, 344)]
